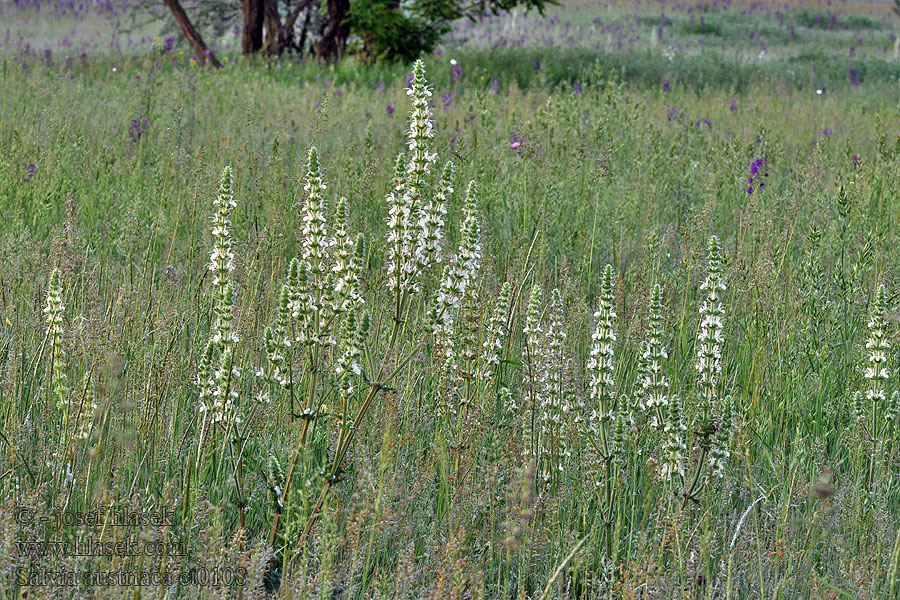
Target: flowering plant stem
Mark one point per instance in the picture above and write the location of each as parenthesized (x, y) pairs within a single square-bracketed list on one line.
[(689, 492), (346, 438), (606, 495)]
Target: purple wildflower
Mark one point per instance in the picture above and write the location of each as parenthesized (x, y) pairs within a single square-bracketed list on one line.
[(137, 129), (495, 85), (456, 73), (826, 132), (515, 142), (578, 89), (390, 110), (760, 171), (733, 106), (854, 160), (436, 52), (853, 76), (448, 100), (666, 86), (30, 169)]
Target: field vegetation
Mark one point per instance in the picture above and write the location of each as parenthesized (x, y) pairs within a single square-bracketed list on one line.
[(596, 304)]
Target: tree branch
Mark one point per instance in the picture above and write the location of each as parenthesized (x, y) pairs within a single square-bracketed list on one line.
[(202, 51), (295, 14)]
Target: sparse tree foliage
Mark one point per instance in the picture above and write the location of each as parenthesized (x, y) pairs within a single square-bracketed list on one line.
[(327, 29)]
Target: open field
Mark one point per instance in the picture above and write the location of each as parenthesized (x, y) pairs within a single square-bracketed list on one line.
[(514, 421)]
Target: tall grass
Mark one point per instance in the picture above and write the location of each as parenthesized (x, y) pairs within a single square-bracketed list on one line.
[(464, 460)]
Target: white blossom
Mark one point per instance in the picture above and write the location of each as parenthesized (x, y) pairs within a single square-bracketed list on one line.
[(601, 362)]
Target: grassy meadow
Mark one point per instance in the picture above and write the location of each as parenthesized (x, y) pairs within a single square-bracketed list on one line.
[(702, 419)]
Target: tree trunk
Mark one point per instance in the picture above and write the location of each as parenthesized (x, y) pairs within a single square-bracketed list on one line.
[(203, 53), (254, 17), (273, 23), (280, 36), (333, 41)]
